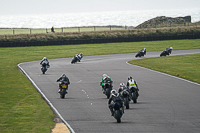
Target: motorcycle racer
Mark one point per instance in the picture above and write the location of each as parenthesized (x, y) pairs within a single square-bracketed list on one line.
[(117, 99), (132, 83), (105, 78), (64, 80), (45, 61)]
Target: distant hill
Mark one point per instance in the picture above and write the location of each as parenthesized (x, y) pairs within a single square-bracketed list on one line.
[(162, 20)]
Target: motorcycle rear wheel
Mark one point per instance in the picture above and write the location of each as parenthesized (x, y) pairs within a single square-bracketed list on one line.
[(126, 103), (134, 97), (43, 70), (62, 93), (118, 116), (108, 93)]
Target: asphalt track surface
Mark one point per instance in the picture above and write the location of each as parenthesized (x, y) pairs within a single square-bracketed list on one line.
[(166, 104)]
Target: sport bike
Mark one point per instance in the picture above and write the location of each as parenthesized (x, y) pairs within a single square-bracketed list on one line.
[(141, 53), (44, 67), (134, 94), (63, 88), (107, 88), (166, 52), (118, 112), (125, 96)]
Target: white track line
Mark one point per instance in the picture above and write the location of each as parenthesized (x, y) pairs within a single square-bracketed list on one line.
[(164, 74), (46, 99)]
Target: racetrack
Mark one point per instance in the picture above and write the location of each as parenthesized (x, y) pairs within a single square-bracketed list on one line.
[(165, 104)]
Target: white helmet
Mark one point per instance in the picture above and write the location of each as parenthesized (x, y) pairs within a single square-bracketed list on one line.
[(171, 48), (122, 85), (114, 92), (44, 58)]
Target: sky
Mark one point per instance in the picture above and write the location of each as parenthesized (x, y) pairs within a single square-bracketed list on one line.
[(18, 7)]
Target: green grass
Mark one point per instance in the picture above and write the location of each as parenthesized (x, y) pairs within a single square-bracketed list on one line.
[(183, 66), (22, 109)]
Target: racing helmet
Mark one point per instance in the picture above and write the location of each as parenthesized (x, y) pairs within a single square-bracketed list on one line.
[(170, 48), (130, 78), (114, 92), (44, 58), (104, 75), (122, 85)]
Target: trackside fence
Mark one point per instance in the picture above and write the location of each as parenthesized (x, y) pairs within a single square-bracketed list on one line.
[(14, 31)]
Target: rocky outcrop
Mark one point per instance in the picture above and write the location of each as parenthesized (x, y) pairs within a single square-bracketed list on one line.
[(162, 20)]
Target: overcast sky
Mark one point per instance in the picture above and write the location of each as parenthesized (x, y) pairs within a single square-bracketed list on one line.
[(13, 7)]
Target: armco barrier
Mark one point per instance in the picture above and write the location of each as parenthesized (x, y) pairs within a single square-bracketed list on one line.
[(99, 40)]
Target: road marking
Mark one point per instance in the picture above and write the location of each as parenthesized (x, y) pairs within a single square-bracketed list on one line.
[(164, 74), (60, 128), (79, 81)]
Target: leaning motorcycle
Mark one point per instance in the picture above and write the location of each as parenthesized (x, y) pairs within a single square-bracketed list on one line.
[(166, 52), (107, 88), (74, 60), (140, 54), (118, 112), (134, 95), (125, 95)]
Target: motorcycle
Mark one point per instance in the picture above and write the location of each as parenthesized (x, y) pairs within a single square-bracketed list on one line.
[(141, 53), (125, 95), (134, 94), (118, 112), (74, 60), (80, 56), (44, 67), (107, 88), (63, 88), (77, 58), (166, 52)]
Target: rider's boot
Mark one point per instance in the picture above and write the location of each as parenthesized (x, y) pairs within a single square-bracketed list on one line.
[(59, 90)]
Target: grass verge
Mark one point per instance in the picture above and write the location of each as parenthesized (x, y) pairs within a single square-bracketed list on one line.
[(183, 66), (22, 108)]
